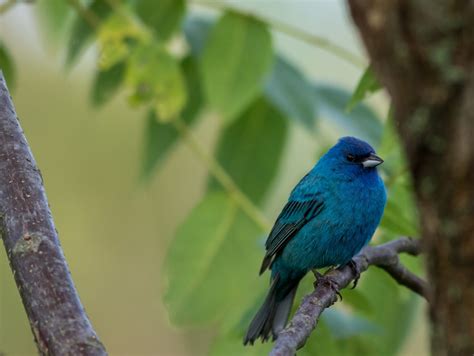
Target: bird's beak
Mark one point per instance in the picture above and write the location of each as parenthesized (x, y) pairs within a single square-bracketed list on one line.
[(372, 161)]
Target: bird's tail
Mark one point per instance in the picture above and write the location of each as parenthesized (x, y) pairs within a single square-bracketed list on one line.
[(272, 316)]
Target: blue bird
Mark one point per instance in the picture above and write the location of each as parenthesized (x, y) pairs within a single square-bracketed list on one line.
[(330, 216)]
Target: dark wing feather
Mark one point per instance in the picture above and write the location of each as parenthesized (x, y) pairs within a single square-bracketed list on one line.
[(293, 217)]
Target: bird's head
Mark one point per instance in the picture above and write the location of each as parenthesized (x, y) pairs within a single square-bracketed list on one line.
[(351, 155)]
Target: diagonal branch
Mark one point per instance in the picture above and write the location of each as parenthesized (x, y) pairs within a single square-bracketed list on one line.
[(306, 317), (58, 321)]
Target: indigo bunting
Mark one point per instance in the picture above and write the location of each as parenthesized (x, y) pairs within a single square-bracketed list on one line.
[(330, 216)]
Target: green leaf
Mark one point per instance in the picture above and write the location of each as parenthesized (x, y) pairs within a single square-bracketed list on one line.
[(361, 121), (55, 16), (193, 81), (116, 38), (391, 151), (83, 29), (206, 277), (231, 344), (162, 16), (322, 342), (400, 215), (343, 324), (106, 83), (234, 325), (7, 67), (161, 137), (368, 84), (250, 148), (235, 61), (393, 311), (291, 93), (155, 76), (357, 300), (196, 30)]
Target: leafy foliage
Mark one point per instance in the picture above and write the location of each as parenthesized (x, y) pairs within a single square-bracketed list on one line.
[(195, 102), (361, 121), (292, 93), (117, 38), (83, 29), (157, 79), (162, 16), (204, 246), (228, 66), (253, 143), (159, 137), (368, 84), (343, 325), (55, 17), (232, 78), (400, 217), (196, 29), (106, 83)]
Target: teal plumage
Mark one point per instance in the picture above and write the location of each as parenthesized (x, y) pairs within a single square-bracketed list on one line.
[(330, 216)]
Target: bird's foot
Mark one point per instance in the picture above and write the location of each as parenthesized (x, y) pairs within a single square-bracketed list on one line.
[(326, 281), (356, 271), (318, 275)]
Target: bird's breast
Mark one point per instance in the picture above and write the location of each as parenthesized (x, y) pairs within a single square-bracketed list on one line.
[(352, 212)]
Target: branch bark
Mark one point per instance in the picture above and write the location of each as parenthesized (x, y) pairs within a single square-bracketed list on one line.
[(385, 256), (423, 53), (58, 321)]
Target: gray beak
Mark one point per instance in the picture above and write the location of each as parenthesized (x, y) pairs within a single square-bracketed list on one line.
[(372, 161)]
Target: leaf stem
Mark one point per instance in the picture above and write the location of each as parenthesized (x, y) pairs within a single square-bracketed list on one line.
[(293, 31), (222, 176)]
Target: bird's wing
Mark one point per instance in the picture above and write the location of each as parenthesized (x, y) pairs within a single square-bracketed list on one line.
[(293, 217)]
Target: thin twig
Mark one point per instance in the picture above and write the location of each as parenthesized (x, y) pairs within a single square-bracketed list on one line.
[(58, 321), (306, 317), (292, 31)]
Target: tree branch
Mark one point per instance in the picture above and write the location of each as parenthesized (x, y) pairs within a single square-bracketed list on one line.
[(58, 321), (306, 317)]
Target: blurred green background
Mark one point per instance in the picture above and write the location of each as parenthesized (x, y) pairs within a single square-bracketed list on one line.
[(116, 229)]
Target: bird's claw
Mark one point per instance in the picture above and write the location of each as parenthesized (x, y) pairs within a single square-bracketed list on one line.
[(328, 281), (355, 270)]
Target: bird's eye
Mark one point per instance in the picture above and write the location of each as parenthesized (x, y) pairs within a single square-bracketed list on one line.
[(350, 158)]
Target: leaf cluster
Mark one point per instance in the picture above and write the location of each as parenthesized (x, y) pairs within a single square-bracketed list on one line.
[(179, 66)]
